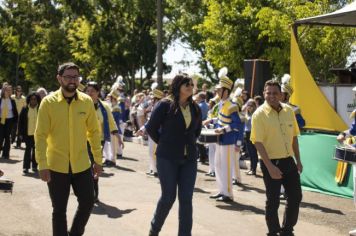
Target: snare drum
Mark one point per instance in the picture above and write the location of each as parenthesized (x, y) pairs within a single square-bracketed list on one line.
[(6, 185), (345, 154), (208, 136)]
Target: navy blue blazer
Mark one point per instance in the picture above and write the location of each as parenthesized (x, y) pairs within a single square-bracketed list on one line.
[(168, 129)]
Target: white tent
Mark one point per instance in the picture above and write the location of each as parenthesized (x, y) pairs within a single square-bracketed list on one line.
[(345, 16)]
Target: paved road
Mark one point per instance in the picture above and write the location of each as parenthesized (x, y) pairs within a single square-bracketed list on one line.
[(128, 199)]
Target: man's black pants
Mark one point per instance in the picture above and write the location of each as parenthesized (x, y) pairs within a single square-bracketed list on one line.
[(291, 182), (59, 188)]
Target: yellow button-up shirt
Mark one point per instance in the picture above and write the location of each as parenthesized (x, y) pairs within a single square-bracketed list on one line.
[(186, 114), (275, 130), (62, 132), (20, 102), (32, 119)]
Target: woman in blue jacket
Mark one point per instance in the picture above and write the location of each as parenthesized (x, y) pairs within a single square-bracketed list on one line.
[(175, 125)]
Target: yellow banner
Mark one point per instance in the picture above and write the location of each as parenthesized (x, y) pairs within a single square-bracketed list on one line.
[(315, 108)]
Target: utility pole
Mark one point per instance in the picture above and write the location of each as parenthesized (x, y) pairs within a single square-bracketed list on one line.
[(159, 45)]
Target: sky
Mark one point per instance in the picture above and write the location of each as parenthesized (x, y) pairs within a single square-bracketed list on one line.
[(178, 52)]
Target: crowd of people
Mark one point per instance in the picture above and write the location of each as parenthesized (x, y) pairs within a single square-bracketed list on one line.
[(69, 134)]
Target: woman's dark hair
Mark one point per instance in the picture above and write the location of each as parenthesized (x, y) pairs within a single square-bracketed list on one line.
[(94, 85), (179, 81), (33, 94)]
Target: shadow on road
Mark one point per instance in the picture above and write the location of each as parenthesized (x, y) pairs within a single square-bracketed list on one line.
[(106, 175), (111, 211), (320, 208), (199, 190), (9, 161), (124, 168), (236, 206), (128, 159), (249, 188)]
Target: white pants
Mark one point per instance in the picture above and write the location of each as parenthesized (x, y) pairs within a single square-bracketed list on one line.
[(212, 147), (236, 173), (152, 154), (224, 165), (107, 152), (114, 145), (122, 129)]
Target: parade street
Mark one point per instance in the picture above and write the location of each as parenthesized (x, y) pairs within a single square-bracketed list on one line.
[(128, 199)]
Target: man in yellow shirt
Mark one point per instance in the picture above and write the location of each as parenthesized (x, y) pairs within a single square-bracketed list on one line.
[(66, 120), (274, 133)]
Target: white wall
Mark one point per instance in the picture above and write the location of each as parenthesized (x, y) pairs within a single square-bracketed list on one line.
[(346, 100)]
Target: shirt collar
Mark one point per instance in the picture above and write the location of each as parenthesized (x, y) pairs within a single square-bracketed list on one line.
[(77, 95), (268, 109)]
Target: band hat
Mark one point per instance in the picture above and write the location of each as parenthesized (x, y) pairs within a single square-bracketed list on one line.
[(286, 88), (225, 82), (114, 93)]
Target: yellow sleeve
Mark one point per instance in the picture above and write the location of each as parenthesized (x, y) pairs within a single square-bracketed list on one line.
[(257, 129), (41, 133), (93, 134)]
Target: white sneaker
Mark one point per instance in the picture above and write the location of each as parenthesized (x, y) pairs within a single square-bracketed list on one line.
[(352, 232)]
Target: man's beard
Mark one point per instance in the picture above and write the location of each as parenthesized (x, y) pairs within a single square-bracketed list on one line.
[(69, 88)]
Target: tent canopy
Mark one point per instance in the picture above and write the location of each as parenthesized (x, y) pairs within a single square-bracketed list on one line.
[(345, 16)]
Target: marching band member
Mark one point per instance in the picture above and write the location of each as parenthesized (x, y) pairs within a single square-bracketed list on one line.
[(287, 91), (341, 138), (231, 129), (213, 113), (152, 146)]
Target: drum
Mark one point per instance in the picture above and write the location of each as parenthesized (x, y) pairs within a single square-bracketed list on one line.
[(208, 136), (6, 185), (345, 154)]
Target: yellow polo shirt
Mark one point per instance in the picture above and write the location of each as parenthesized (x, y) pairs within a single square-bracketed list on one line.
[(62, 132), (20, 102), (32, 119), (275, 130)]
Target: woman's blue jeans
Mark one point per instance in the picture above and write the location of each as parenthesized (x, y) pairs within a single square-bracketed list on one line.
[(172, 174)]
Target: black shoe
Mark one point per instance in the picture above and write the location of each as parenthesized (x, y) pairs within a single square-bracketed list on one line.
[(208, 174), (224, 199), (25, 171), (151, 233), (119, 156), (212, 174), (155, 174), (6, 157), (35, 170), (216, 196), (96, 200)]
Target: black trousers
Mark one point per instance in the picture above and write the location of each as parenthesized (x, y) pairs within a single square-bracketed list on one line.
[(252, 152), (14, 134), (203, 154), (29, 156), (291, 182), (59, 189), (5, 132)]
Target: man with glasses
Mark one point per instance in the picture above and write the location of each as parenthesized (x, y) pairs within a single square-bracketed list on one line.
[(66, 120)]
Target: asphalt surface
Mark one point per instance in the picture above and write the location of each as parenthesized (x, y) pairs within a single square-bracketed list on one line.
[(128, 199)]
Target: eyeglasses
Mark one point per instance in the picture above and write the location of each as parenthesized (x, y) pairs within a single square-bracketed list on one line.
[(69, 77), (188, 83)]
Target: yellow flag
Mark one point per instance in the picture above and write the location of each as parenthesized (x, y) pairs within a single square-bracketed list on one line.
[(315, 108)]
